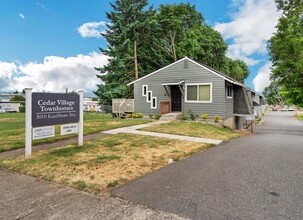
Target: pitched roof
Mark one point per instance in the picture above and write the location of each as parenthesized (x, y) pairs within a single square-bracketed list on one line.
[(227, 78)]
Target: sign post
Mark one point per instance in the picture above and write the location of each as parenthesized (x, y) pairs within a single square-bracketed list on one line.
[(80, 134), (28, 122)]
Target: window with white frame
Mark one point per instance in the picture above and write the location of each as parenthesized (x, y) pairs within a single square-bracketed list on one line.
[(144, 90), (229, 91), (199, 93), (154, 103), (149, 96)]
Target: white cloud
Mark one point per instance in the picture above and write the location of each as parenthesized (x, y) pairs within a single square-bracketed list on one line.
[(56, 73), (42, 6), (262, 78), (6, 72), (92, 29), (252, 24), (22, 16)]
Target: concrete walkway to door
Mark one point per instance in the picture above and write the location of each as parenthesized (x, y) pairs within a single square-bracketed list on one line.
[(133, 130)]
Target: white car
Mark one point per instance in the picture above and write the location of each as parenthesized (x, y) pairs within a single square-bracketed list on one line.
[(284, 109), (291, 108), (2, 111)]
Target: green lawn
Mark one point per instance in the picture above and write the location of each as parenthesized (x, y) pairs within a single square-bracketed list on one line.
[(12, 128), (300, 117), (194, 129)]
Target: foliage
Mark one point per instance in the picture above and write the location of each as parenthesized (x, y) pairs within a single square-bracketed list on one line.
[(204, 116), (142, 40), (157, 116), (18, 98), (217, 118), (272, 94), (286, 47), (192, 115), (134, 115), (140, 115), (22, 109), (126, 36), (184, 117)]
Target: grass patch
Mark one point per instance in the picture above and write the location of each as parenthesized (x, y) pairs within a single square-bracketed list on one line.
[(12, 128), (194, 129), (94, 167), (300, 117)]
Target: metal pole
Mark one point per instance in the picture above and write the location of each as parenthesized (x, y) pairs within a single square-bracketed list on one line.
[(80, 134), (28, 122)]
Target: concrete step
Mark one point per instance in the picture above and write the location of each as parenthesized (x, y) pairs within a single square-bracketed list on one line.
[(171, 116)]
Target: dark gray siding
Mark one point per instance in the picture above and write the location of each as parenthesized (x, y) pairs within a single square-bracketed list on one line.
[(229, 103), (193, 74)]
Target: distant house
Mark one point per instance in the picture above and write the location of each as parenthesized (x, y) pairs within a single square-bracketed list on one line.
[(188, 86)]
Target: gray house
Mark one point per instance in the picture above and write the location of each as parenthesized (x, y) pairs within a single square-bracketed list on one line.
[(186, 85)]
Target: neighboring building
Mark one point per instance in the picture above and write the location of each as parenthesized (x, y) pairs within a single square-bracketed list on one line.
[(89, 105), (186, 85), (14, 105)]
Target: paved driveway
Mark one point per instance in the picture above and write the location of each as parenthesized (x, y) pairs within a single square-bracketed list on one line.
[(255, 177)]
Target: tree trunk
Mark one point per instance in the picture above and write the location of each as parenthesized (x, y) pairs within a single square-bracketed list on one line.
[(136, 60)]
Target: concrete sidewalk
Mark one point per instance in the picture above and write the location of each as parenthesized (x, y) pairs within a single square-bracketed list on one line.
[(133, 130), (25, 197)]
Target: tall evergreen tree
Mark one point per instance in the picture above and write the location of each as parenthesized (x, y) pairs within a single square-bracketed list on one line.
[(126, 33)]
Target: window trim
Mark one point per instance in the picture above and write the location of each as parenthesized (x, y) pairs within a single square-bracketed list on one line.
[(143, 90), (199, 84), (229, 97), (151, 104), (151, 96)]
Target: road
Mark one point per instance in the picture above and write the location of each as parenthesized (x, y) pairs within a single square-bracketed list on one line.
[(255, 177)]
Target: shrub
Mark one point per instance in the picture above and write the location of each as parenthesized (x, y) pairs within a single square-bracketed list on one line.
[(114, 115), (204, 116), (134, 115), (192, 115), (217, 118), (22, 109), (157, 116), (140, 115), (183, 117), (92, 110)]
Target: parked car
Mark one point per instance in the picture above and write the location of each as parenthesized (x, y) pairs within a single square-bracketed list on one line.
[(291, 108), (284, 109), (274, 109), (10, 110), (2, 111)]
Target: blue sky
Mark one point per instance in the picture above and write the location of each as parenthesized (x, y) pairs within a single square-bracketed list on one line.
[(43, 45)]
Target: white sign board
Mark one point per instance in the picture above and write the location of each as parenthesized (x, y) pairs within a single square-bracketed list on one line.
[(250, 117), (69, 129), (43, 132)]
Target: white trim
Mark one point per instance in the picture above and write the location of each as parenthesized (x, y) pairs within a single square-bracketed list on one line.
[(198, 84), (172, 84), (156, 71), (151, 96), (242, 115), (151, 104), (143, 90)]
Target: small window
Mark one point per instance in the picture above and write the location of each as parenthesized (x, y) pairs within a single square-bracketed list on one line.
[(144, 90), (149, 96), (229, 91), (154, 103)]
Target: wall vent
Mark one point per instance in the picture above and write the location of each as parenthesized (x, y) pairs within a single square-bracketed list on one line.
[(185, 64)]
